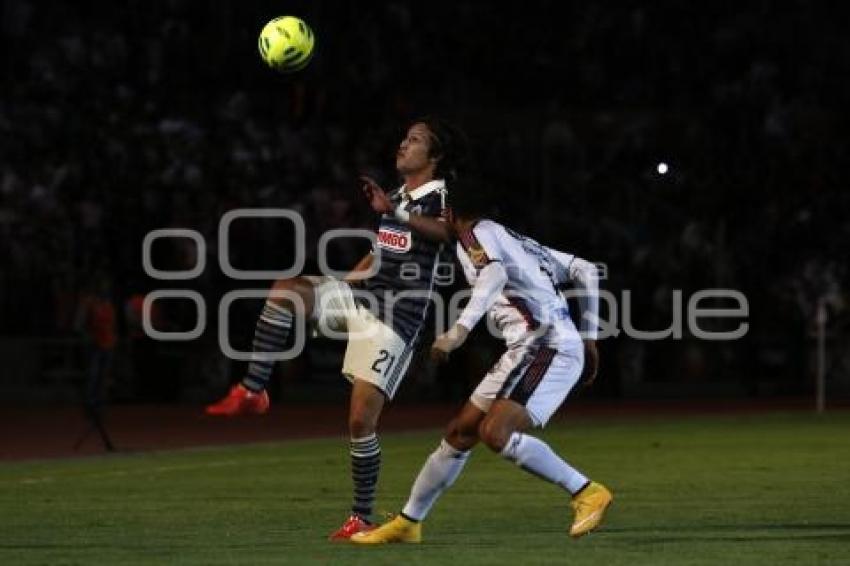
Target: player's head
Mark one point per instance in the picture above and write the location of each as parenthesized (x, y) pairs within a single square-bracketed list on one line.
[(469, 202), (432, 145)]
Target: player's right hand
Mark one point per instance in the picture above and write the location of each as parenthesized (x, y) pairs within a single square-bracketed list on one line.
[(377, 197), (447, 342)]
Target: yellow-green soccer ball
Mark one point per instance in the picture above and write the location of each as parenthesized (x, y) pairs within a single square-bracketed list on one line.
[(286, 44)]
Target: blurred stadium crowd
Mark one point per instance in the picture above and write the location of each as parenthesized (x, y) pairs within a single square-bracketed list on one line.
[(118, 120)]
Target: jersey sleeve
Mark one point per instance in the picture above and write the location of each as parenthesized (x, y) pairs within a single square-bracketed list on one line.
[(563, 262), (584, 277), (482, 244), (491, 280)]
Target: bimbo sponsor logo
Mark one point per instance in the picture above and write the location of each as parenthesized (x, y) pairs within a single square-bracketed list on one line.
[(394, 240)]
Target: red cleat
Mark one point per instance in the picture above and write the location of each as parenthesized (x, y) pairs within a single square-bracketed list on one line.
[(354, 524), (240, 401)]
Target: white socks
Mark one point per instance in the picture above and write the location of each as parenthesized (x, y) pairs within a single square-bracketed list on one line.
[(440, 471), (535, 456), (444, 465)]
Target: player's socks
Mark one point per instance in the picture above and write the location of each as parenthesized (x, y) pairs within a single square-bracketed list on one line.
[(535, 456), (365, 466), (273, 328), (440, 471)]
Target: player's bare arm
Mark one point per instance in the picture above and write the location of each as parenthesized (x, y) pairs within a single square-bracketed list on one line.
[(591, 363), (491, 281), (362, 266)]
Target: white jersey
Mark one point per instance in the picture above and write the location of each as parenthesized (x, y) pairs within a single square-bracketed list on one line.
[(528, 303)]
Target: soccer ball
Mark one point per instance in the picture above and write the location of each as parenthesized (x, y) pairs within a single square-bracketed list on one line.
[(286, 44)]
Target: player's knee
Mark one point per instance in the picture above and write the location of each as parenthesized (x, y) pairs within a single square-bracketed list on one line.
[(276, 295), (494, 434), (289, 293), (287, 284), (461, 436)]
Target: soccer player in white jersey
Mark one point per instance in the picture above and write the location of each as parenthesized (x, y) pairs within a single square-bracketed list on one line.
[(514, 281), (410, 249)]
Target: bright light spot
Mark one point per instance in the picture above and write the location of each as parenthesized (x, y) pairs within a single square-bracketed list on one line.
[(662, 168)]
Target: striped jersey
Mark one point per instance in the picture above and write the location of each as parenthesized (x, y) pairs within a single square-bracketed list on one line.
[(410, 264), (530, 300)]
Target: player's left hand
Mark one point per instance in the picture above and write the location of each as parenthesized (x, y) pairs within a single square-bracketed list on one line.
[(591, 363), (377, 197), (447, 342)]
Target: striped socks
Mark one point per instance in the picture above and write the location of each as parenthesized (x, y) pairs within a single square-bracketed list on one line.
[(365, 466), (273, 328)]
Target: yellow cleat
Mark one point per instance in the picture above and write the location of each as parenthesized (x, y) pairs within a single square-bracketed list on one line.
[(397, 530), (590, 506)]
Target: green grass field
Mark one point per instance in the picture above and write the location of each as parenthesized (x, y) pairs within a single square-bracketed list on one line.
[(756, 489)]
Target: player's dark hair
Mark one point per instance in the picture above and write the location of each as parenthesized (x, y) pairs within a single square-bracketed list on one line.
[(448, 144), (469, 200)]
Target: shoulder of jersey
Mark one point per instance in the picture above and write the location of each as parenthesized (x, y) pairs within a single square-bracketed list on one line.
[(486, 225), (431, 189), (473, 248)]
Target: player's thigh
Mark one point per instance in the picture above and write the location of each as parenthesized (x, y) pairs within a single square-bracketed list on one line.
[(504, 418), (500, 377), (544, 393), (333, 305), (375, 353)]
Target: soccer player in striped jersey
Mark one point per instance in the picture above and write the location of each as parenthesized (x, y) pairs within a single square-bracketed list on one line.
[(514, 281), (382, 314)]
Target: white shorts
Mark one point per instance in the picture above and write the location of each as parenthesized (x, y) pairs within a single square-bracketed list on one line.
[(537, 376), (375, 352)]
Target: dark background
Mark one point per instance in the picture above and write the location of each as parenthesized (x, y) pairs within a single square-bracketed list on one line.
[(116, 120)]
